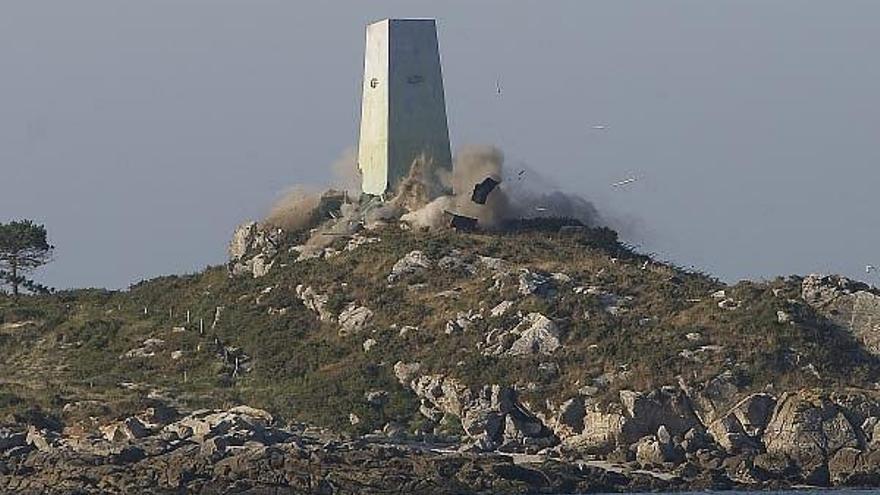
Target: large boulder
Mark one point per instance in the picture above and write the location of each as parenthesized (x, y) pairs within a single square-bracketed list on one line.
[(129, 429), (353, 318), (850, 304), (534, 334), (729, 433), (854, 467), (740, 429), (645, 413), (315, 302), (600, 434), (809, 430), (539, 284), (406, 372), (252, 249), (714, 398), (569, 419), (491, 416), (638, 415), (240, 421), (413, 262), (42, 439), (444, 394), (537, 335), (656, 450), (754, 412)]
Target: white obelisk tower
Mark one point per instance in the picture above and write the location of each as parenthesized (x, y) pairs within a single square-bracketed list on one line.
[(403, 110)]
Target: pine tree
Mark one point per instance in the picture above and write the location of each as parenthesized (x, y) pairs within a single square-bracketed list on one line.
[(23, 249)]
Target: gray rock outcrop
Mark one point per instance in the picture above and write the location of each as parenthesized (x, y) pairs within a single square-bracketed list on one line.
[(315, 302), (252, 249), (413, 262), (491, 417), (850, 304), (353, 318)]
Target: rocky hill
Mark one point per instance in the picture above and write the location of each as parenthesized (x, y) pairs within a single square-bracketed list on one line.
[(541, 358)]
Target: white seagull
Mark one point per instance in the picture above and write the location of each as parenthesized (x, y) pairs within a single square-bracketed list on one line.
[(625, 182)]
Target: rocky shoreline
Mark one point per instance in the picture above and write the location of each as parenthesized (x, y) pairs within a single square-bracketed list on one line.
[(245, 450)]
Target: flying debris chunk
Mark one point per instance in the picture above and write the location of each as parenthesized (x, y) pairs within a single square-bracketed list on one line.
[(519, 176), (600, 127), (482, 190), (461, 222), (870, 268), (540, 208), (498, 86)]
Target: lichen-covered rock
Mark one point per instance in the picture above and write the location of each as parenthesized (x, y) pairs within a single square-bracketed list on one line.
[(413, 262), (568, 420), (406, 372), (809, 431), (353, 318), (537, 335), (754, 412), (500, 309), (601, 432), (458, 262), (491, 416), (715, 397), (315, 302), (252, 249), (850, 304), (645, 413), (729, 432), (536, 283), (656, 450), (131, 428)]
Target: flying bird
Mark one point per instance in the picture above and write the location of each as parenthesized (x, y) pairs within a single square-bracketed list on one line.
[(625, 182), (600, 127), (870, 268), (498, 86)]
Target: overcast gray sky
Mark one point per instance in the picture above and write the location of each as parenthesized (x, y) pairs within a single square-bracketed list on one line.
[(141, 132)]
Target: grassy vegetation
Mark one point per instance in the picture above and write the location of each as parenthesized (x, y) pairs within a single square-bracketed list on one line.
[(72, 346)]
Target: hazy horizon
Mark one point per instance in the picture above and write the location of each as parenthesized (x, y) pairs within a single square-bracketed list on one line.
[(142, 133)]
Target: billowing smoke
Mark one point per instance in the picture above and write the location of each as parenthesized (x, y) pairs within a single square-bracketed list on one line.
[(428, 198), (535, 196), (520, 194), (473, 164), (298, 208), (295, 211), (346, 175)]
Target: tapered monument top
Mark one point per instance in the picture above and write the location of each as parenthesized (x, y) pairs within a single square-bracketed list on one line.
[(403, 110)]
